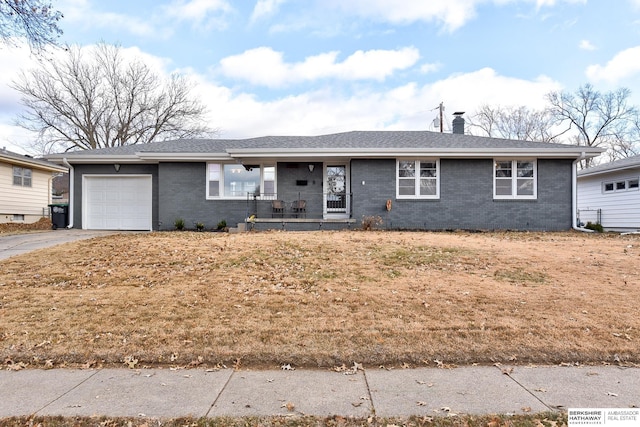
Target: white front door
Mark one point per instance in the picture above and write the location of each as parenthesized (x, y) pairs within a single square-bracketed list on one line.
[(336, 194)]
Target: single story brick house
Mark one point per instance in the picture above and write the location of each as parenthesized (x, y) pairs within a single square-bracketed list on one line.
[(409, 179), (609, 195)]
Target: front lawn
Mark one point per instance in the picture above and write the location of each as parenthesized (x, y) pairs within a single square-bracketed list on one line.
[(323, 299)]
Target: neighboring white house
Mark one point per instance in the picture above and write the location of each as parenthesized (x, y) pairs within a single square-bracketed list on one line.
[(609, 194), (25, 187)]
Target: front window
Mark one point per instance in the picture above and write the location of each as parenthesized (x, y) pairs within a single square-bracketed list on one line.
[(238, 181), (21, 176), (514, 179), (418, 179)]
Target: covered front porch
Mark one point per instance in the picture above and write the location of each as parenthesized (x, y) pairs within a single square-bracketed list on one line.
[(302, 210)]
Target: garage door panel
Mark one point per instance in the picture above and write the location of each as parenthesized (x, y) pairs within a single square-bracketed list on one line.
[(118, 202)]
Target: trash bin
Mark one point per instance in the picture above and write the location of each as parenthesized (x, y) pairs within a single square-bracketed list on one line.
[(59, 215)]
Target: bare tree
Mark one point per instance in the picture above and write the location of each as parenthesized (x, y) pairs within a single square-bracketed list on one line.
[(98, 99), (515, 123), (600, 119), (34, 20)]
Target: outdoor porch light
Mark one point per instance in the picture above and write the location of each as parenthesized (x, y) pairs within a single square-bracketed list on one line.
[(311, 167), (117, 167)]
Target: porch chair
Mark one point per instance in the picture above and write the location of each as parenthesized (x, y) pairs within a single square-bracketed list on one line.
[(277, 208), (299, 207)]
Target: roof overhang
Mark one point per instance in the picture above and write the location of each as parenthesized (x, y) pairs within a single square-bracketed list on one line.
[(308, 154), (587, 172), (27, 162), (140, 157)]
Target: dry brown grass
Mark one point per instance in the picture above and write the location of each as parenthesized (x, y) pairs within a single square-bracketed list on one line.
[(555, 419), (18, 227), (323, 299)]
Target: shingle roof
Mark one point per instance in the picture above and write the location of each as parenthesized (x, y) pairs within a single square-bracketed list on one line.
[(628, 163), (355, 140)]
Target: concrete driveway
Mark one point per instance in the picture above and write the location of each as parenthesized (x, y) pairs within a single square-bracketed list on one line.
[(16, 244)]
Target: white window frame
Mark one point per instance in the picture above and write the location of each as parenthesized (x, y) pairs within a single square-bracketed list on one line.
[(514, 180), (614, 185), (418, 179), (221, 181), (22, 175)]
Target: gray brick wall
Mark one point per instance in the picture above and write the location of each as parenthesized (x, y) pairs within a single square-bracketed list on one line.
[(288, 189), (466, 198), (182, 194), (108, 169)]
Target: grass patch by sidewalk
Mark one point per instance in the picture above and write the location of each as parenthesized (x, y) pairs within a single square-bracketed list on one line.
[(322, 299), (537, 420)]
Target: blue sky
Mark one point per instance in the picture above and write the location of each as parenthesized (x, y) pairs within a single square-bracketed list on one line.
[(266, 67)]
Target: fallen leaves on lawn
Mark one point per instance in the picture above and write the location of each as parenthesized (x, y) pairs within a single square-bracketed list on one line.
[(312, 299), (131, 362), (290, 406)]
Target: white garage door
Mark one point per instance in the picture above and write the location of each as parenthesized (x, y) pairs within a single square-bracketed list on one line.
[(117, 202)]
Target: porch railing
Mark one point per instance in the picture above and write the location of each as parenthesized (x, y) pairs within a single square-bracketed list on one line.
[(301, 205)]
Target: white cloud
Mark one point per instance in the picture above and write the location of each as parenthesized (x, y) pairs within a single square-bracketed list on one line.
[(452, 14), (623, 65), (17, 139), (467, 91), (264, 8), (195, 10), (205, 14), (405, 107), (81, 13), (266, 67), (430, 68), (586, 45), (551, 3), (327, 109), (13, 59)]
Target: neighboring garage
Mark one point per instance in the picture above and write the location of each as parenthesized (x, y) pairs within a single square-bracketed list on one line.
[(122, 202)]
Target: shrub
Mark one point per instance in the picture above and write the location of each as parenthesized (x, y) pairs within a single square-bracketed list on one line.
[(199, 226), (370, 222), (179, 224), (595, 227), (222, 224)]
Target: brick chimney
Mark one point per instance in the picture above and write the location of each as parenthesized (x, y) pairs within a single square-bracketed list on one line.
[(458, 123)]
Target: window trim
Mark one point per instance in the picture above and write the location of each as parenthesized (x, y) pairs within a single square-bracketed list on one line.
[(615, 182), (514, 179), (417, 195), (221, 181), (22, 176)]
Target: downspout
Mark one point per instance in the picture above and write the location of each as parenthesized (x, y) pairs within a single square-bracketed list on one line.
[(71, 187), (574, 195)]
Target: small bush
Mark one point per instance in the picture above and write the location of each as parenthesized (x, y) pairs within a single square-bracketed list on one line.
[(370, 222), (595, 227), (222, 225), (199, 226), (179, 224)]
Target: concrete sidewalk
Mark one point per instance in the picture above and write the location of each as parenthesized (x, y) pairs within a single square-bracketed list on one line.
[(198, 393)]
